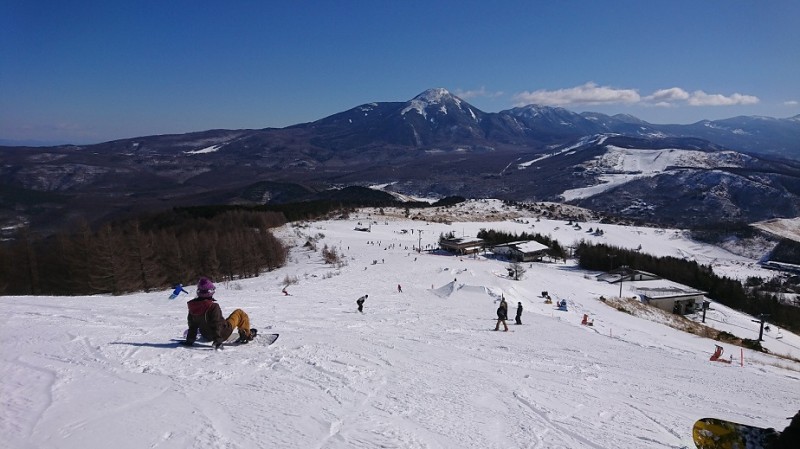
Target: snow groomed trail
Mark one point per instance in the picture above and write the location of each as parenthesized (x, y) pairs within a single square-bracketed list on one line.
[(418, 369)]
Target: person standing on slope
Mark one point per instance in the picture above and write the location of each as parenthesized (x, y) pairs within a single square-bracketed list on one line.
[(518, 318), (360, 302), (206, 315), (502, 315)]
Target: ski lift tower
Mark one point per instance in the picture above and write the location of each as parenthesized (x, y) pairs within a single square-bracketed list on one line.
[(761, 319)]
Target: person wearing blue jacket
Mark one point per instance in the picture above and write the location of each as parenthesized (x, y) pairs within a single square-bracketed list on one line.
[(178, 290)]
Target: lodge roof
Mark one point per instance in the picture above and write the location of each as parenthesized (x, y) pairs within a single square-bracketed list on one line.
[(668, 292)]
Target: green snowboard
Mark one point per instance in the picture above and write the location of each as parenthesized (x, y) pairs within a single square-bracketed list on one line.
[(712, 433)]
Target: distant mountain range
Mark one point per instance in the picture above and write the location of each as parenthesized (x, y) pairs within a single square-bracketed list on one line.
[(434, 145), (436, 118)]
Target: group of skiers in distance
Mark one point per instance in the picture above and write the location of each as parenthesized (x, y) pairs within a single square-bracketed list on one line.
[(205, 316)]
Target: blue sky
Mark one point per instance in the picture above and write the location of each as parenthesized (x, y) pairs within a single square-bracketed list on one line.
[(92, 71)]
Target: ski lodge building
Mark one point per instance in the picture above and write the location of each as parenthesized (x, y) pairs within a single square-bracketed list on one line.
[(462, 245), (524, 251), (626, 274), (678, 300), (660, 293)]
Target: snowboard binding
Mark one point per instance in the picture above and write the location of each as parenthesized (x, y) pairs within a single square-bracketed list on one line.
[(243, 339)]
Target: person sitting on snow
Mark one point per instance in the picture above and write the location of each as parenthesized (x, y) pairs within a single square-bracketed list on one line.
[(206, 315)]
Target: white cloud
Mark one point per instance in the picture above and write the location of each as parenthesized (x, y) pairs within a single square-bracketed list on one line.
[(791, 103), (700, 98), (482, 92), (589, 93), (667, 96)]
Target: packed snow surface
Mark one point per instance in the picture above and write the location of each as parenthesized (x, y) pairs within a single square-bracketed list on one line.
[(421, 368)]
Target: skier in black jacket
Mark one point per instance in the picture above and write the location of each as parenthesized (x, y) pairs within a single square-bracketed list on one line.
[(502, 315), (360, 302)]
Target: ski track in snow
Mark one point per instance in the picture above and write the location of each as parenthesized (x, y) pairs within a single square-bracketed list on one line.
[(417, 370)]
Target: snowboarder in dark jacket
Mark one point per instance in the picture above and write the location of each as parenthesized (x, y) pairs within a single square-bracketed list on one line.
[(205, 315), (360, 302), (518, 318), (502, 315)]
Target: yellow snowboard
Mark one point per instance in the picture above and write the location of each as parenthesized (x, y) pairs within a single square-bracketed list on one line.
[(711, 433)]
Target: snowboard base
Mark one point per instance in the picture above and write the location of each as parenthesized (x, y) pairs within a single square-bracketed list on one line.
[(712, 433), (258, 340)]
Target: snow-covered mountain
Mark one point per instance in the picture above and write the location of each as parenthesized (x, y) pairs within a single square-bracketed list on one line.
[(420, 368), (619, 165), (767, 135), (433, 118), (435, 144), (658, 183), (555, 120)]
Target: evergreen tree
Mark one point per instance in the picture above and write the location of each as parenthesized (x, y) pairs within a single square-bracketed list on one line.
[(147, 270), (25, 267), (110, 267)]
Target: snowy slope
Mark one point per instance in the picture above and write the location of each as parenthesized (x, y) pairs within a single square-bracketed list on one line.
[(788, 228), (419, 369), (619, 165)]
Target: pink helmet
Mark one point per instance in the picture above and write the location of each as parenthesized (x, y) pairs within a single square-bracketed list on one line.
[(205, 288)]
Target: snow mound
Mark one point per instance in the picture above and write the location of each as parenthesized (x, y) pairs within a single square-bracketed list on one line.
[(446, 290)]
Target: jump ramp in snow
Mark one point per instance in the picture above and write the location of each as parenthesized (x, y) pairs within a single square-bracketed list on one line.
[(453, 288)]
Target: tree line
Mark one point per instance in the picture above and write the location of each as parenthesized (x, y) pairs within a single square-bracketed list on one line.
[(730, 292), (146, 253), (155, 251)]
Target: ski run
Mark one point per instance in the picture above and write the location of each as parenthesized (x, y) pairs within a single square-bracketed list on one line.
[(419, 368)]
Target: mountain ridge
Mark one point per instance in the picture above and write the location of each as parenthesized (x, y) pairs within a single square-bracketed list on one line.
[(539, 117), (434, 145)]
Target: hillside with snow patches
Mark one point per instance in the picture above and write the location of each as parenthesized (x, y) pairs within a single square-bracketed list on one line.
[(781, 227), (420, 368), (617, 165)]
